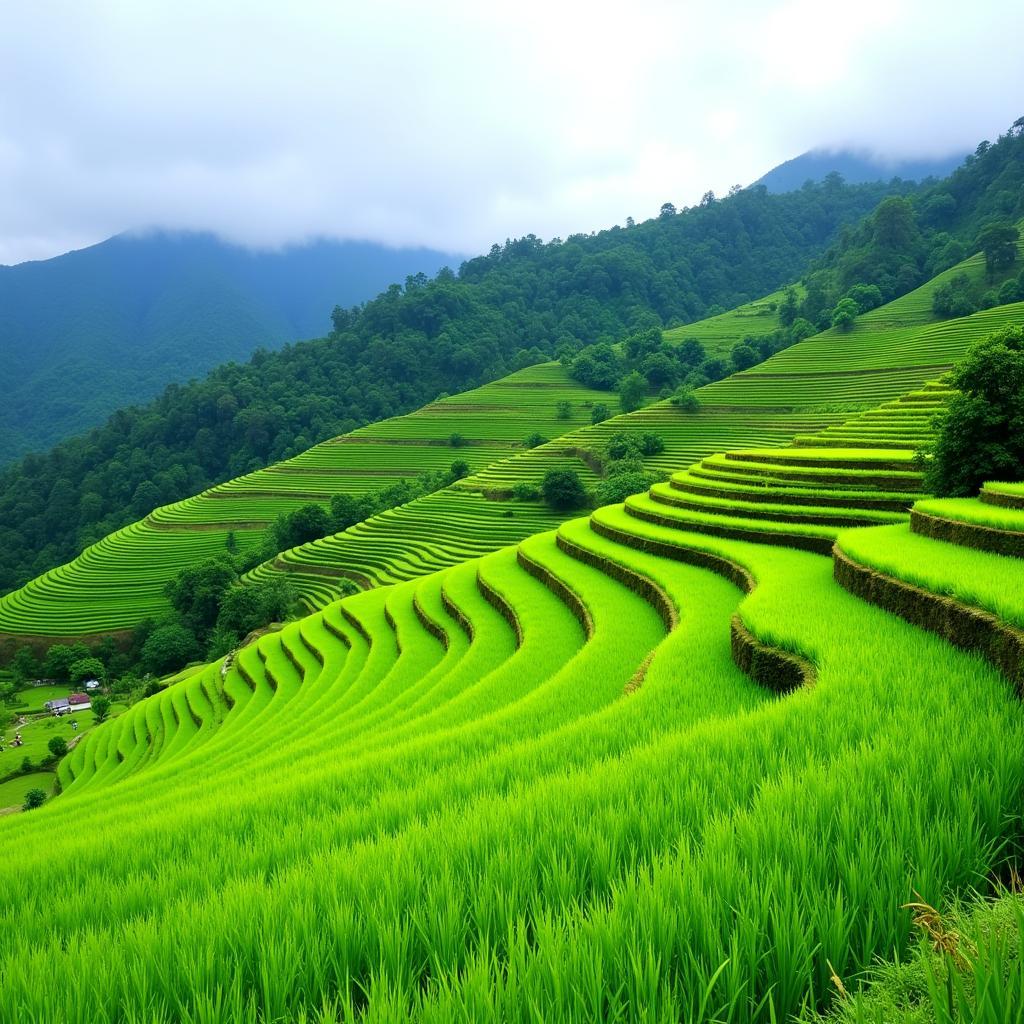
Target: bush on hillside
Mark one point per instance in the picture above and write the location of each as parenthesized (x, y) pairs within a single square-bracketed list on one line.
[(58, 746), (955, 297), (33, 798), (685, 399), (562, 490), (981, 434)]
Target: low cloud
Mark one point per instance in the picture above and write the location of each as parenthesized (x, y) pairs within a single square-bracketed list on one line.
[(458, 124)]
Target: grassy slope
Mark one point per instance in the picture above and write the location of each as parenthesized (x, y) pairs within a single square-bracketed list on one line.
[(439, 802), (119, 581)]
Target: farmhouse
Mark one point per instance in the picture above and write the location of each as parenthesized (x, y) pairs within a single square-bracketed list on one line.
[(92, 684), (60, 706), (79, 701)]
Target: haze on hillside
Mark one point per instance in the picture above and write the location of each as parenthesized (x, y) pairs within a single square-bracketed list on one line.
[(456, 125)]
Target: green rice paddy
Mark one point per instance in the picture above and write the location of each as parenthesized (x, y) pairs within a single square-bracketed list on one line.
[(662, 762)]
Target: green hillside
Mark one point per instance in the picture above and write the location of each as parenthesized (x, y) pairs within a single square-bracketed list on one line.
[(116, 583), (801, 390), (119, 582), (665, 762)]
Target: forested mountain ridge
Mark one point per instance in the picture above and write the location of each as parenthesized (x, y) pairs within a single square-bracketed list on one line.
[(522, 302), (855, 166), (124, 318)]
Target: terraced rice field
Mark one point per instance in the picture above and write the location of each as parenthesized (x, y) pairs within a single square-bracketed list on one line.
[(116, 583), (718, 334), (891, 350), (628, 769)]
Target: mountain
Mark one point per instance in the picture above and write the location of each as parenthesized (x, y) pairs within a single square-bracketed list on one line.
[(522, 303), (856, 167), (124, 318)]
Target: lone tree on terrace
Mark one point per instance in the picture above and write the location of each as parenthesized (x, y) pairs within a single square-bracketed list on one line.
[(981, 436)]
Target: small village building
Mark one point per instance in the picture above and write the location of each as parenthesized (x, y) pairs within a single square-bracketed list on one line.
[(59, 706), (92, 684), (79, 701)]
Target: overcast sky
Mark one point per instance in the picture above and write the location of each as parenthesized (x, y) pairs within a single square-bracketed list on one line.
[(456, 124)]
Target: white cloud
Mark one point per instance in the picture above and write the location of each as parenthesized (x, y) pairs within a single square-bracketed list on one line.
[(456, 124)]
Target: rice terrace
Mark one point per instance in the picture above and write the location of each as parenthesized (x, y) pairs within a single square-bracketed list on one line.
[(625, 627)]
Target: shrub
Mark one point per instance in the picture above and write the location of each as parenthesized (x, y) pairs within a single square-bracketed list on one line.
[(563, 409), (525, 492), (563, 489), (534, 440), (981, 434), (632, 389), (845, 314), (955, 297), (33, 798), (685, 399), (58, 746), (599, 413), (458, 469), (456, 440), (101, 708)]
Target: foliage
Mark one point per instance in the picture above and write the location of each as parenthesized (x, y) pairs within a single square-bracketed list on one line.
[(599, 413), (845, 314), (998, 241), (57, 745), (402, 349), (168, 647), (534, 440), (685, 399), (33, 798), (100, 707), (632, 389), (563, 489), (86, 668), (563, 409), (955, 297), (981, 436)]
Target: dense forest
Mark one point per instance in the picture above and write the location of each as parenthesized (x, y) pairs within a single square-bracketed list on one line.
[(131, 314), (523, 302)]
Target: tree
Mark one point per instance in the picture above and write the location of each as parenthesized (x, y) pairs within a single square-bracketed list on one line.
[(534, 440), (100, 708), (866, 296), (168, 647), (981, 436), (563, 409), (24, 665), (58, 746), (562, 489), (744, 356), (456, 440), (231, 542), (789, 308), (955, 297), (685, 399), (845, 315), (86, 668), (999, 244), (33, 798), (632, 390), (60, 658), (459, 469), (667, 210), (599, 413)]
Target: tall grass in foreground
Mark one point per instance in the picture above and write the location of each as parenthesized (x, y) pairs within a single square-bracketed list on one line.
[(388, 837)]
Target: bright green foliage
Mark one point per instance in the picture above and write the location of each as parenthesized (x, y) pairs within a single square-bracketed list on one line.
[(86, 668), (57, 746), (562, 489), (982, 432), (34, 798), (501, 824), (632, 390)]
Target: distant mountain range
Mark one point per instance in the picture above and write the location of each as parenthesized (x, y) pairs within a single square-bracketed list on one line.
[(856, 167), (111, 325)]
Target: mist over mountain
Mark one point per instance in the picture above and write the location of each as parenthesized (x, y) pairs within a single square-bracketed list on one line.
[(128, 316), (856, 167)]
